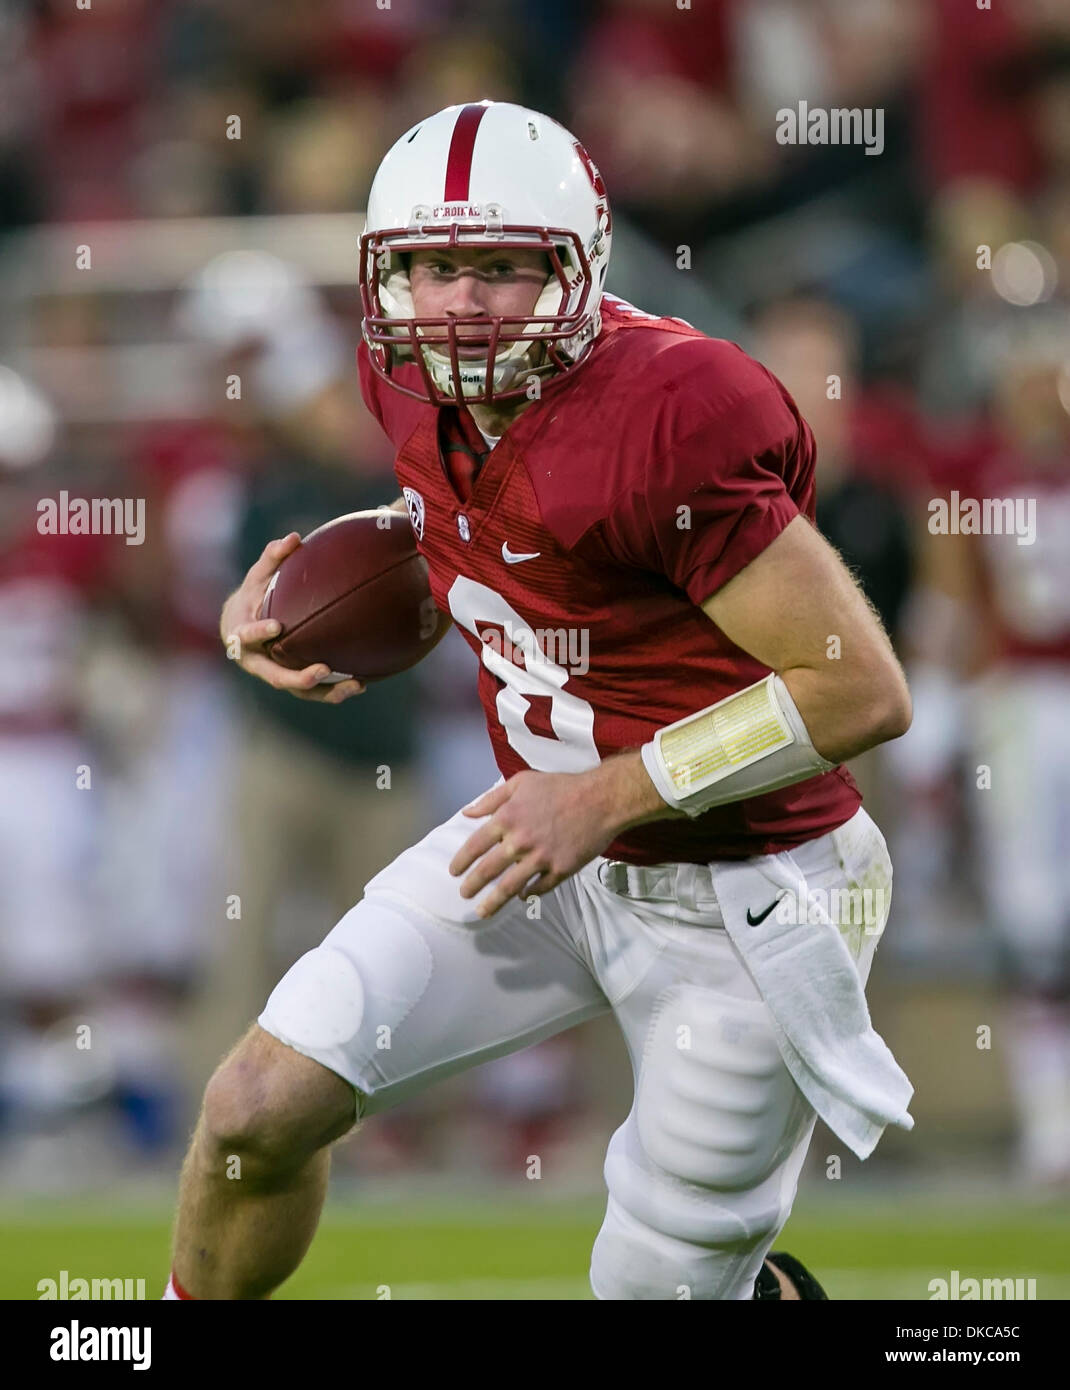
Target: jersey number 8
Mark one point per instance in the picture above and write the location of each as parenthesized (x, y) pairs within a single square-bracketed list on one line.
[(571, 718)]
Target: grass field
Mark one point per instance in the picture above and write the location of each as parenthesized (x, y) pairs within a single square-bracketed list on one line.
[(879, 1248)]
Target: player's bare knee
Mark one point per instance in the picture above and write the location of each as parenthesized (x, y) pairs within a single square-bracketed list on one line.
[(273, 1107)]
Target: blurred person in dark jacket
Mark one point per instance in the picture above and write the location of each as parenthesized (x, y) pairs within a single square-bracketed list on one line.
[(868, 470), (812, 346), (323, 798)]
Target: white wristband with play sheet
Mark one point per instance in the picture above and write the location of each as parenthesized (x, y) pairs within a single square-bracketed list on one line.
[(751, 742)]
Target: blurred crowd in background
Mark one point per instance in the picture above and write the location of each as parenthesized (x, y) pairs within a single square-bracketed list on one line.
[(173, 835)]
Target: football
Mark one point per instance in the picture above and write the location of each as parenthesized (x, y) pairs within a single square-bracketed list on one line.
[(355, 596)]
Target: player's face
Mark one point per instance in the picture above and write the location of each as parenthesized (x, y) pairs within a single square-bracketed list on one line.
[(476, 283)]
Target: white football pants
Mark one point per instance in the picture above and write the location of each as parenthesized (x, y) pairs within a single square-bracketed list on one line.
[(411, 986)]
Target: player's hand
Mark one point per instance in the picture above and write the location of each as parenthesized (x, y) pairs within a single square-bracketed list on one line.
[(542, 827), (244, 634)]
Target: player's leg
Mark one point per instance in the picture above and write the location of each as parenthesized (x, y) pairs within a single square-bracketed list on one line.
[(703, 1173), (411, 986), (255, 1176)]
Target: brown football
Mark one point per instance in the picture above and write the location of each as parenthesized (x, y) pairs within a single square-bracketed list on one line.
[(354, 596)]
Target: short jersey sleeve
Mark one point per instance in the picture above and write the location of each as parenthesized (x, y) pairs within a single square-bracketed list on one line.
[(712, 501)]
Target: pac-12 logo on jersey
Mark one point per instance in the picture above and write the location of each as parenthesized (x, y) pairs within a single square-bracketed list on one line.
[(415, 504)]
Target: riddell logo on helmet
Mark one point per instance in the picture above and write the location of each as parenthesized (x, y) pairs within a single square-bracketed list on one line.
[(457, 210)]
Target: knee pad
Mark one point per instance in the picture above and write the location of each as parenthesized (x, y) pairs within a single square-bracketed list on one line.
[(715, 1105), (702, 1175), (632, 1262), (341, 1002), (320, 1000)]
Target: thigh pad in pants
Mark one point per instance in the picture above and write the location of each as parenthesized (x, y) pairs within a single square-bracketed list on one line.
[(412, 986)]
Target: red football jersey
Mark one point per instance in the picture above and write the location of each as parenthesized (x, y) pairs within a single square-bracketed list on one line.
[(638, 485)]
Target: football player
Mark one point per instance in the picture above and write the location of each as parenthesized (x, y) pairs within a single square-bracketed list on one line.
[(617, 511), (50, 913), (997, 628)]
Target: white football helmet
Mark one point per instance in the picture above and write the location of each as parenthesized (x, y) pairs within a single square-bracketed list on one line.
[(489, 174)]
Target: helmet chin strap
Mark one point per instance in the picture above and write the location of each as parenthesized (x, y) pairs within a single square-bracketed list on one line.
[(507, 368)]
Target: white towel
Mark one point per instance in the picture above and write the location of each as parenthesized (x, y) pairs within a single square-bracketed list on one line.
[(810, 982)]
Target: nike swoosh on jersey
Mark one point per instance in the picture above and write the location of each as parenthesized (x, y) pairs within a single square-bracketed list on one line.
[(511, 558)]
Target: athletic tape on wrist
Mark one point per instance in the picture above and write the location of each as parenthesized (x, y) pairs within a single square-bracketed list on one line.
[(750, 742)]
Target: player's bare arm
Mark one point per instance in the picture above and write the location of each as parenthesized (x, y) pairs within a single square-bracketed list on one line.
[(796, 609)]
